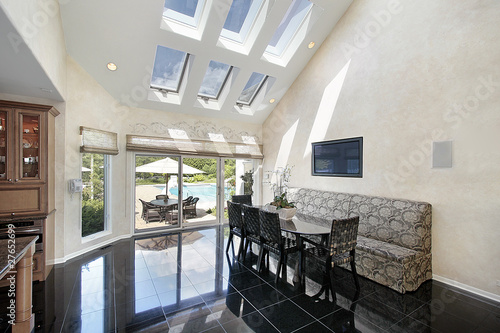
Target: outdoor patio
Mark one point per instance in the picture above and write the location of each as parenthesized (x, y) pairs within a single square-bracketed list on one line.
[(149, 192)]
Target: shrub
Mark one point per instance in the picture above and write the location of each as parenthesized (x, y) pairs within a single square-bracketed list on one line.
[(92, 217)]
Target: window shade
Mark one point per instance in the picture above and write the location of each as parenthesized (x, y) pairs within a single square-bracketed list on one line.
[(194, 147), (98, 142)]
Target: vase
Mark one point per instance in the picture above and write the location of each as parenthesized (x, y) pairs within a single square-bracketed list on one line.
[(286, 213)]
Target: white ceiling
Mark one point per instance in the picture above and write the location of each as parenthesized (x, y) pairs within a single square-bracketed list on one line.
[(127, 33)]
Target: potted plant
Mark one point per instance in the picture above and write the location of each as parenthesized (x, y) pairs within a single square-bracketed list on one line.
[(283, 207)]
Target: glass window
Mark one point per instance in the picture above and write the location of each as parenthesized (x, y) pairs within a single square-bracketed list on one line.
[(168, 68), (94, 197), (214, 79), (183, 11), (240, 19), (251, 88), (288, 26)]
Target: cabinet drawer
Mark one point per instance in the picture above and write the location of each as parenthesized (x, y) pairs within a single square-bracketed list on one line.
[(21, 201)]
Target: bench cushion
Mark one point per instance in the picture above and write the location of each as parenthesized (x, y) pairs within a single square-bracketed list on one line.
[(386, 250)]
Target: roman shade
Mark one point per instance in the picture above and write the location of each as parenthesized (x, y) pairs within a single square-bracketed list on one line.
[(98, 142), (194, 147)]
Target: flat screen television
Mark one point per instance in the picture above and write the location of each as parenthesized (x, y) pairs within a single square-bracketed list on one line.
[(338, 158)]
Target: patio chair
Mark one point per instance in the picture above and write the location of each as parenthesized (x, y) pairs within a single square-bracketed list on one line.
[(190, 207), (274, 241), (242, 199), (150, 212), (340, 250), (162, 197), (235, 226), (251, 222)]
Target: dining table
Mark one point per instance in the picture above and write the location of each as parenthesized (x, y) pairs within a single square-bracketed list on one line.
[(302, 225), (165, 205)]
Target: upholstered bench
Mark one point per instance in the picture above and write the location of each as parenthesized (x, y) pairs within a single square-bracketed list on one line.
[(394, 235)]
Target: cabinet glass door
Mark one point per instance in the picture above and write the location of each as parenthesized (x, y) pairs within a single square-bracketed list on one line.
[(3, 145), (30, 146)]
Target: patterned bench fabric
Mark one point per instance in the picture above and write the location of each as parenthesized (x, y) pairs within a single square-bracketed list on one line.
[(321, 204), (394, 236), (386, 250), (402, 222)]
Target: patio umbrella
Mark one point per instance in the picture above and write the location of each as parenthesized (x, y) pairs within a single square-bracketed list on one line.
[(167, 166)]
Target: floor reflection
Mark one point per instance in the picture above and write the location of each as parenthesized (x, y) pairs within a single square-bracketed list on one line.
[(185, 282)]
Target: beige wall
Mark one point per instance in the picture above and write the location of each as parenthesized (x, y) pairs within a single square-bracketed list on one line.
[(403, 74)]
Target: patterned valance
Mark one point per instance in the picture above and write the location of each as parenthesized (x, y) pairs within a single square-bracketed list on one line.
[(218, 148)]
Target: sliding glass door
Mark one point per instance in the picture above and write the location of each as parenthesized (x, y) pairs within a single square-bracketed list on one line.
[(157, 199), (180, 191)]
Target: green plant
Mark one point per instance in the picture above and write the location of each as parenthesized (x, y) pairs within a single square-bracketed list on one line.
[(280, 201), (248, 182)]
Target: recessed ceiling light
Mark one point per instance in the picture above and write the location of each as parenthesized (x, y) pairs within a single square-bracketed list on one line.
[(112, 66), (311, 45), (272, 100)]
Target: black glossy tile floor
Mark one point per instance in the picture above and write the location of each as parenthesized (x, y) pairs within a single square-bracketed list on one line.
[(184, 282)]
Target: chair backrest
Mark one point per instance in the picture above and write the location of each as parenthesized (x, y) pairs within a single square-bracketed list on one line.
[(161, 197), (195, 200), (242, 198), (343, 235), (270, 229), (234, 213), (251, 219)]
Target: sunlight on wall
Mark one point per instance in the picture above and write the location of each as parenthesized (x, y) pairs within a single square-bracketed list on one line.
[(326, 108), (286, 146)]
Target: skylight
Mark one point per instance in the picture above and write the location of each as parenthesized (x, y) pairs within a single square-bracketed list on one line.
[(288, 26), (240, 18), (184, 11), (251, 88), (214, 79), (168, 68)]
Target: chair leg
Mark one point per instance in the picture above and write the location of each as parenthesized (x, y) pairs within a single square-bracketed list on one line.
[(240, 248), (261, 257), (229, 241), (332, 284), (278, 268), (355, 274), (283, 265), (245, 251)]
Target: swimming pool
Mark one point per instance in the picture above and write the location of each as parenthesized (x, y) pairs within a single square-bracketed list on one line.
[(206, 192)]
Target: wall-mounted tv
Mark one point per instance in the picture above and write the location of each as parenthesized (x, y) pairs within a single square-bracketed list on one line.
[(338, 158)]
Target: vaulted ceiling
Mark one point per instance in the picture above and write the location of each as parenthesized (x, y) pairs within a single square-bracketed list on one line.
[(128, 32)]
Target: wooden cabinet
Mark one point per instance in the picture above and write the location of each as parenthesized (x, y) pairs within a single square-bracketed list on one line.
[(24, 158), (27, 175)]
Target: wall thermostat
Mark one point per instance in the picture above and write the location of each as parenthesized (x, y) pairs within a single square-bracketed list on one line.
[(75, 186)]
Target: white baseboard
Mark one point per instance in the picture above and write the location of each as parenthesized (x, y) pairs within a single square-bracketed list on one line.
[(87, 249), (468, 288)]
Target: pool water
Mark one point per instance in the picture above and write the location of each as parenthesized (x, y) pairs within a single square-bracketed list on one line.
[(206, 192)]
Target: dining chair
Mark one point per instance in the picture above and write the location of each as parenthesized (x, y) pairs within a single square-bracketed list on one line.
[(242, 198), (341, 249), (190, 207), (150, 212), (251, 221), (235, 226), (274, 241)]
